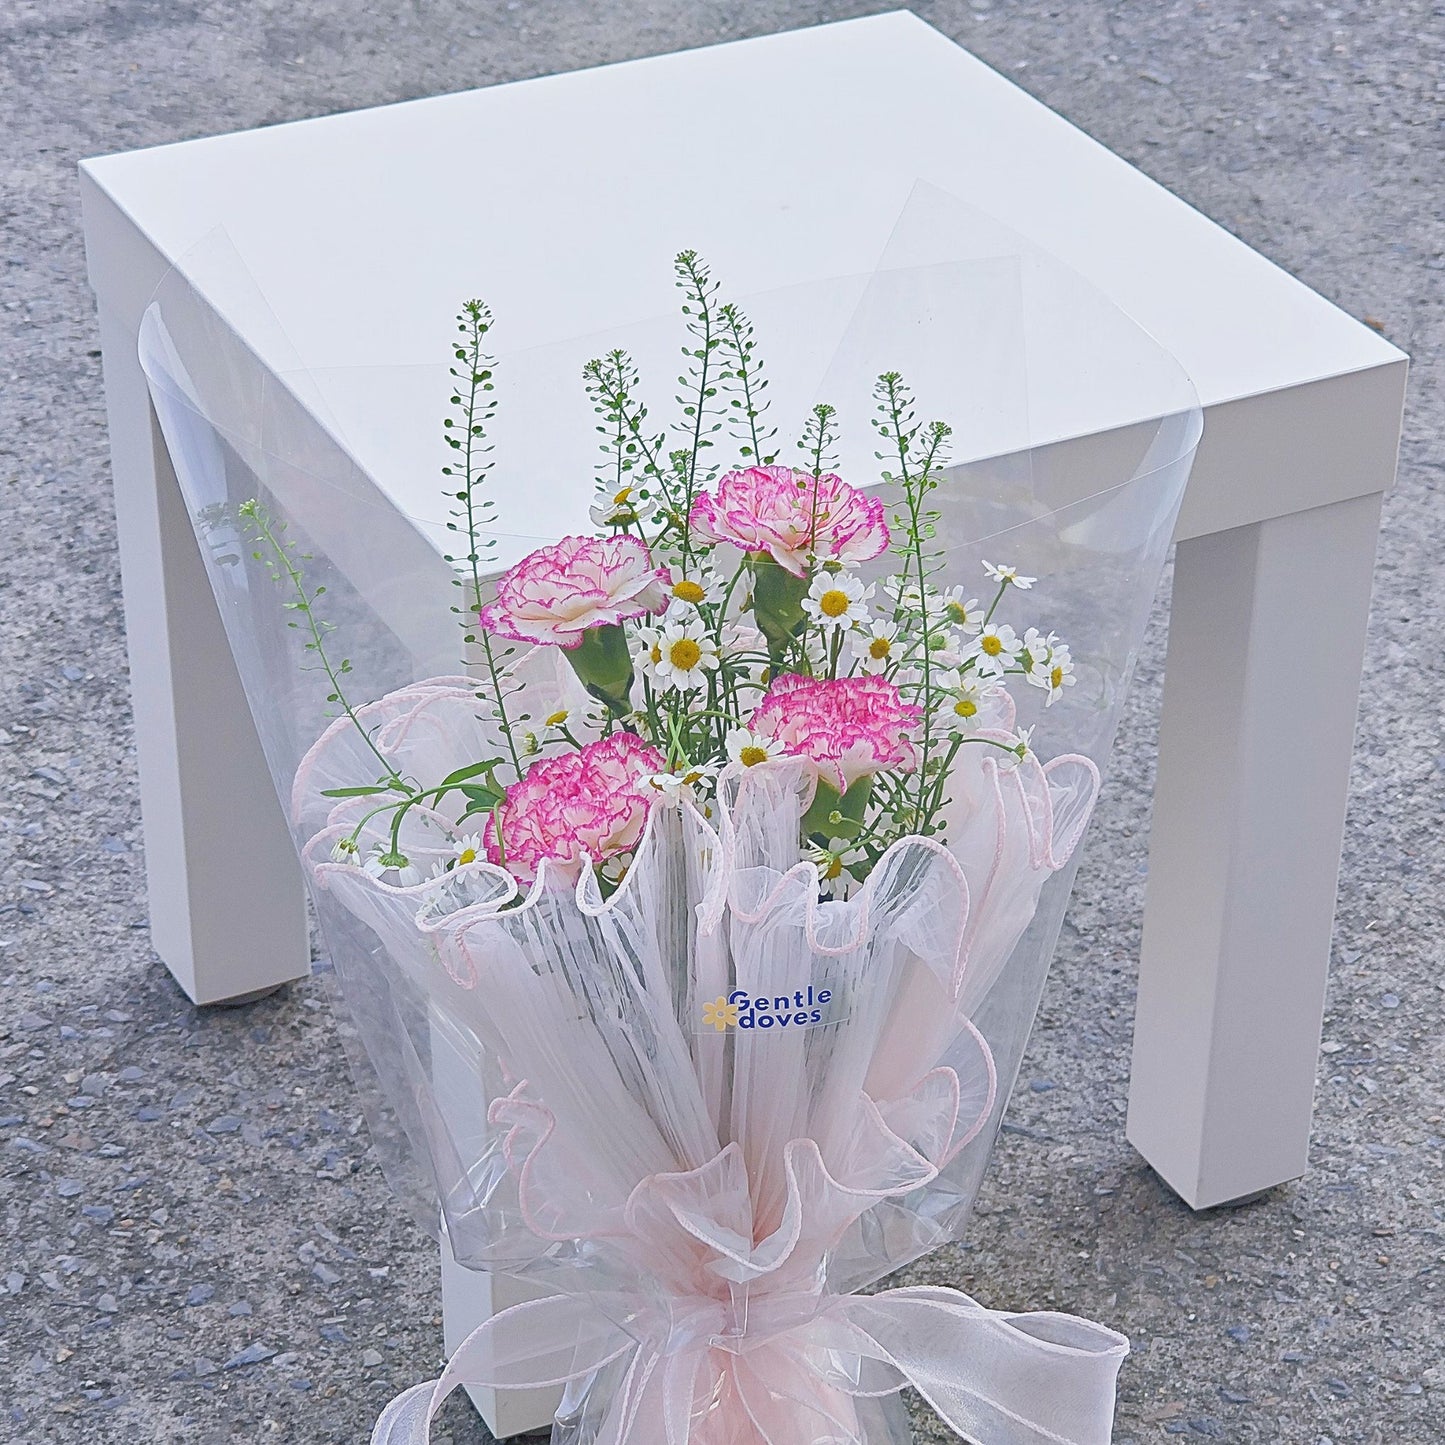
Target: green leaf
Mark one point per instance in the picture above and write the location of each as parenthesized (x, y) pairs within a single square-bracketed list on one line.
[(482, 798), (352, 792), (472, 770)]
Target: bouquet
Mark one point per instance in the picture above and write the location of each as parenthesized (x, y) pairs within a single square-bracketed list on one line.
[(678, 928)]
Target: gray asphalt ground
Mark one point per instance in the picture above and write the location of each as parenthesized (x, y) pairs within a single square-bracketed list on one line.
[(196, 1244)]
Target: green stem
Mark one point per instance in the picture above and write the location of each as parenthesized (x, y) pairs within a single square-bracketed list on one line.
[(988, 616), (730, 317), (936, 802), (469, 463), (303, 604), (720, 622), (913, 498), (499, 700), (612, 392), (722, 612), (402, 806), (705, 319)]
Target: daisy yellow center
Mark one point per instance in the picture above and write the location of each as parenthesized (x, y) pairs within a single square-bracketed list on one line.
[(879, 648), (965, 707), (833, 603), (1056, 677), (834, 868), (656, 653), (684, 654), (557, 718), (467, 855), (688, 591), (991, 645), (752, 755), (958, 612)]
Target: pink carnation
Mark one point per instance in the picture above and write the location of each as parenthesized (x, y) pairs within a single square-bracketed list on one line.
[(591, 801), (788, 514), (847, 727), (553, 595)]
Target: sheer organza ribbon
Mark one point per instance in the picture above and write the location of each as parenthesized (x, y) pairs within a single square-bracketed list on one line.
[(994, 1377)]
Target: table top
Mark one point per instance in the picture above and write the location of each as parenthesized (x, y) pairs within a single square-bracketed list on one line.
[(786, 160)]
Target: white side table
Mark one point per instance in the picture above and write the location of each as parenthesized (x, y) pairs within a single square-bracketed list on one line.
[(364, 231)]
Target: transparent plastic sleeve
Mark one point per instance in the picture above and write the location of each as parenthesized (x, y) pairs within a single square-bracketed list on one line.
[(707, 1110)]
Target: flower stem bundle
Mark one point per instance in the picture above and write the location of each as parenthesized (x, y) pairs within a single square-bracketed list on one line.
[(731, 610)]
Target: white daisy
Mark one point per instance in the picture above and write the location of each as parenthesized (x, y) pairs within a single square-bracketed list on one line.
[(392, 867), (832, 864), (1008, 576), (948, 648), (875, 648), (966, 614), (692, 586), (614, 869), (456, 890), (1033, 653), (836, 599), (619, 509), (346, 850), (646, 649), (467, 848), (1036, 647), (689, 780), (994, 649), (1058, 672), (678, 654), (907, 595), (942, 676), (701, 775), (749, 749), (1018, 748), (964, 703)]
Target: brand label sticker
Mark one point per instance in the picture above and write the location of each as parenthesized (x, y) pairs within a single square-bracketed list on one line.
[(804, 1008)]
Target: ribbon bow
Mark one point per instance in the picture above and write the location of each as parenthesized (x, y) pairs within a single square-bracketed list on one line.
[(996, 1378)]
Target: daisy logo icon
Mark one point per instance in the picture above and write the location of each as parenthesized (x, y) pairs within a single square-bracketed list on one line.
[(720, 1014)]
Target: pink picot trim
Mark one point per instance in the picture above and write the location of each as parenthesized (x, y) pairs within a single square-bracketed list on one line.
[(846, 727), (553, 595), (789, 514), (593, 801)]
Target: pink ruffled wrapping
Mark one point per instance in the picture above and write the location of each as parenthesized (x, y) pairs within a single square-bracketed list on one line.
[(685, 1189)]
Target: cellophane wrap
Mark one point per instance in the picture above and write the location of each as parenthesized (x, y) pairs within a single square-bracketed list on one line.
[(704, 1115)]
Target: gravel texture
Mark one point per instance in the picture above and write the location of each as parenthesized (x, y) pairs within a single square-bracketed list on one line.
[(197, 1244)]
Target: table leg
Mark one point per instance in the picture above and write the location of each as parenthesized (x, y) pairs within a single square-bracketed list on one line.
[(1266, 644), (227, 909), (470, 1298)]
